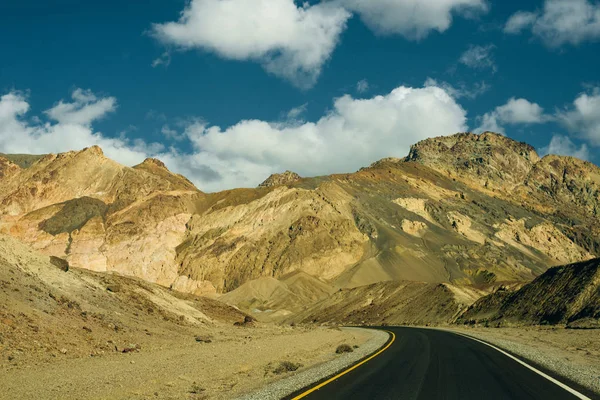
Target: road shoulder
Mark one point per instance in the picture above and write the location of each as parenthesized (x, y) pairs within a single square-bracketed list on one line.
[(296, 382)]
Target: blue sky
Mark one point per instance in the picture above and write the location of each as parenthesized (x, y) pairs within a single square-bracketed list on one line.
[(234, 90)]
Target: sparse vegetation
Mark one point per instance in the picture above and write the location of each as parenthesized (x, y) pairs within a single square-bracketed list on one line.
[(196, 389), (286, 366), (344, 348)]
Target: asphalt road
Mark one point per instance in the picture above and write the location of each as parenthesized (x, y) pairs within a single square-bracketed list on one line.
[(423, 364)]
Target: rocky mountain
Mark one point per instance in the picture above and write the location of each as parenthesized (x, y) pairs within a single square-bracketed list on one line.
[(280, 179), (567, 294), (463, 209)]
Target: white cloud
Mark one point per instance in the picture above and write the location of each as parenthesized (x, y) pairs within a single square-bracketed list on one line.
[(164, 59), (295, 113), (71, 131), (563, 146), (290, 41), (515, 111), (479, 57), (560, 22), (353, 134), (413, 19), (84, 109), (519, 21), (171, 134), (520, 111), (583, 118), (362, 86), (460, 90)]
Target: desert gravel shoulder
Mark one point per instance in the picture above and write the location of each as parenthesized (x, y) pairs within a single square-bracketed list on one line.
[(293, 383), (573, 354), (237, 361)]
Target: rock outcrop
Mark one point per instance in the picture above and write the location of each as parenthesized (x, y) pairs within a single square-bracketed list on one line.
[(280, 179)]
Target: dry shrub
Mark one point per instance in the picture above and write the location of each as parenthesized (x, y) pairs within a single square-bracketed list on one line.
[(344, 348), (286, 366)]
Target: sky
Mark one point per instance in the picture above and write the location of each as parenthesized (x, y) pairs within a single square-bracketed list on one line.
[(227, 92)]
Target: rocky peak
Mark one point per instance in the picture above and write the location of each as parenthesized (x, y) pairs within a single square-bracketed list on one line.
[(385, 161), (488, 159), (156, 167), (93, 150), (152, 163), (280, 179)]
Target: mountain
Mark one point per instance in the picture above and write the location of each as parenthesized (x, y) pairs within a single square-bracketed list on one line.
[(462, 209), (567, 294)]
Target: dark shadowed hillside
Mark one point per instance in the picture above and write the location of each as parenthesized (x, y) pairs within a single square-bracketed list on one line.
[(562, 295)]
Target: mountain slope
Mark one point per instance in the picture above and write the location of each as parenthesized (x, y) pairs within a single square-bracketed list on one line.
[(463, 209), (393, 303), (271, 299), (566, 294), (46, 311)]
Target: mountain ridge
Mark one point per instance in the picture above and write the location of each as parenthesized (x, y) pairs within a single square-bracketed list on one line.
[(462, 209)]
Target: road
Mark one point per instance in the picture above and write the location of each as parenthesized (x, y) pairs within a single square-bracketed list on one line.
[(423, 364)]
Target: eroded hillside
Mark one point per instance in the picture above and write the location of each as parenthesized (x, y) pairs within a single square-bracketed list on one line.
[(48, 312), (465, 209), (567, 294)]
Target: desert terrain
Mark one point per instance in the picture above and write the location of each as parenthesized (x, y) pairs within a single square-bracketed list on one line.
[(129, 282), (81, 335)]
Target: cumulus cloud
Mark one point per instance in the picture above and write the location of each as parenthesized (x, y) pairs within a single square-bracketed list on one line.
[(515, 111), (413, 19), (71, 129), (560, 22), (353, 134), (84, 109), (564, 146), (479, 57), (290, 41), (583, 117)]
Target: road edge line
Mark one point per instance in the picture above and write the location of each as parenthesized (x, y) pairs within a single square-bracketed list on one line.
[(537, 371), (347, 370)]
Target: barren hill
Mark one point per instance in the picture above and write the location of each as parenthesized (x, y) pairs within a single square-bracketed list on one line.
[(460, 209), (568, 294), (270, 299), (392, 303)]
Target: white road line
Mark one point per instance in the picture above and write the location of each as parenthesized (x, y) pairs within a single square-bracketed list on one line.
[(537, 371)]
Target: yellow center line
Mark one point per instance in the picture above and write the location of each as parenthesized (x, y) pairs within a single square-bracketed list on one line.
[(309, 391)]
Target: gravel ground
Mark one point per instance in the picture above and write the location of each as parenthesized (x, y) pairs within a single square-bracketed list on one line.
[(550, 358), (287, 386)]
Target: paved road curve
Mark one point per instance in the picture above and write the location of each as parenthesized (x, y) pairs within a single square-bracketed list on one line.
[(423, 364)]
